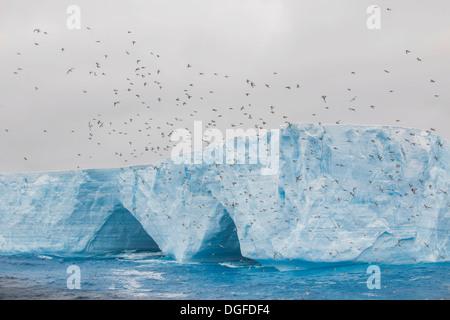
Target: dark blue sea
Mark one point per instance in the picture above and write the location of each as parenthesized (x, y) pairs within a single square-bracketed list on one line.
[(141, 275)]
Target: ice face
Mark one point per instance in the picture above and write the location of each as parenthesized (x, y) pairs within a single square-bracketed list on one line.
[(66, 213), (341, 194)]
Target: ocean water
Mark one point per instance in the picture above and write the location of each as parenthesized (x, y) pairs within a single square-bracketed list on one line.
[(142, 275)]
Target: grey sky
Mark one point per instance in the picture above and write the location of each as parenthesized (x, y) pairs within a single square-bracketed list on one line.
[(316, 44)]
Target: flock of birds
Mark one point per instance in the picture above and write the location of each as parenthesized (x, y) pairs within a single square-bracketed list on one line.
[(262, 205), (144, 85), (145, 76)]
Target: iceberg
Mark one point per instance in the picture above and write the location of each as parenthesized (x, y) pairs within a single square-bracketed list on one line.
[(341, 194)]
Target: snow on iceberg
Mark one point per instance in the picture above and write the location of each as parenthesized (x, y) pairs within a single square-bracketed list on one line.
[(342, 193)]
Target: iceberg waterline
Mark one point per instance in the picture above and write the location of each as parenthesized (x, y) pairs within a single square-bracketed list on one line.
[(341, 194)]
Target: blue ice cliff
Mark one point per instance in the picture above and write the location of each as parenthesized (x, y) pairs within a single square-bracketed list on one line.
[(342, 194)]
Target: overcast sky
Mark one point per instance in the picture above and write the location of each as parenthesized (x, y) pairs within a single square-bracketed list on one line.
[(110, 110)]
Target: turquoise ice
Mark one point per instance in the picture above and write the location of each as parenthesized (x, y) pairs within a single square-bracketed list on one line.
[(342, 194)]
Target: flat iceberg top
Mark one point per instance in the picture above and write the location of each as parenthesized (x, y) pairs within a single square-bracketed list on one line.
[(341, 193)]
